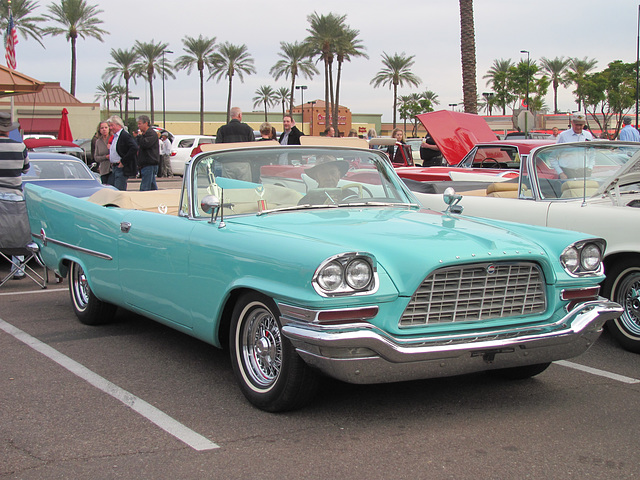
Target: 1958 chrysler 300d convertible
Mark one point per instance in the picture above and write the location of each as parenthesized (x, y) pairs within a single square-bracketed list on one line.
[(333, 267)]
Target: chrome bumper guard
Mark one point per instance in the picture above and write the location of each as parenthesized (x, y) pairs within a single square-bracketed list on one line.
[(362, 353)]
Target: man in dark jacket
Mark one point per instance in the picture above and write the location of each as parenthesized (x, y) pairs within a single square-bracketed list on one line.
[(235, 130), (122, 153), (148, 154), (291, 134)]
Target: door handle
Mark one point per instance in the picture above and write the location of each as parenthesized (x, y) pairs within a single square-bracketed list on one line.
[(125, 227)]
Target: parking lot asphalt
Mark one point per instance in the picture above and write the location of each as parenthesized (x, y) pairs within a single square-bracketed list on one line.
[(135, 399)]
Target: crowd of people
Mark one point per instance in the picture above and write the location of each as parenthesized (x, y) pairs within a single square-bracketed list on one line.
[(146, 153), (121, 155)]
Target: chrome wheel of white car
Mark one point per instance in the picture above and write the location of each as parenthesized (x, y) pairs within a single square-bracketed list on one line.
[(271, 374), (86, 306), (623, 286)]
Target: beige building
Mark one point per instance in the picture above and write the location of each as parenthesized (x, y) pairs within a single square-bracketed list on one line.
[(41, 112)]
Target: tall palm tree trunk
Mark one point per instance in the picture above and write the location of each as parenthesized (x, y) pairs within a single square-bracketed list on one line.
[(327, 109), (337, 99), (293, 88), (229, 100), (151, 100), (126, 98), (201, 71), (73, 66), (334, 120), (468, 53), (395, 103)]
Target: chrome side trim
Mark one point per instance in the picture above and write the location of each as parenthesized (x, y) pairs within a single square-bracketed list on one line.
[(42, 236)]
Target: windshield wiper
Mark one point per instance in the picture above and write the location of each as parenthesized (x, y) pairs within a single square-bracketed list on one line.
[(378, 204), (306, 206)]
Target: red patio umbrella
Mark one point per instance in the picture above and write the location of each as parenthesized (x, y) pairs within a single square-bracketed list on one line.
[(64, 132)]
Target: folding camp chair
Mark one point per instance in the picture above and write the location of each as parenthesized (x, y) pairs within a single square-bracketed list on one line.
[(15, 241)]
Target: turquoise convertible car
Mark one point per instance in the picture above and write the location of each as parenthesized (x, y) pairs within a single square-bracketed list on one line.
[(315, 259)]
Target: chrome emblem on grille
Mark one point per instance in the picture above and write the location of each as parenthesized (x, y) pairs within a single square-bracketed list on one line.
[(491, 269)]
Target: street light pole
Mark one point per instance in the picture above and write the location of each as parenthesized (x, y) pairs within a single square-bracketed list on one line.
[(526, 126), (134, 105), (163, 99), (302, 88)]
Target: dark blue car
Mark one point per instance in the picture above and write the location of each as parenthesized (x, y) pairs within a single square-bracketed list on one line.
[(63, 173)]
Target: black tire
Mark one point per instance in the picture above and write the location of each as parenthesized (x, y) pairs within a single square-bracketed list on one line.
[(86, 305), (623, 286), (270, 373), (519, 373)]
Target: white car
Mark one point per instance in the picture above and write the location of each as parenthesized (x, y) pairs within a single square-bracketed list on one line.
[(181, 149), (591, 187)]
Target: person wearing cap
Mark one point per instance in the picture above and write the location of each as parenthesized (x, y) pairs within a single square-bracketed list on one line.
[(576, 133), (14, 161), (165, 169), (327, 172), (629, 133)]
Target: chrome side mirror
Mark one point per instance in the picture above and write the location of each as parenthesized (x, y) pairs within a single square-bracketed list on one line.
[(210, 205), (452, 199)]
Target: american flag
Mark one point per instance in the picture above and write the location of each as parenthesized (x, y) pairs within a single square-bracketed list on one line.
[(10, 40)]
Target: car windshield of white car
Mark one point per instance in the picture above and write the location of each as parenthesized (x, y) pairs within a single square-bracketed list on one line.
[(57, 170), (258, 180), (579, 170)]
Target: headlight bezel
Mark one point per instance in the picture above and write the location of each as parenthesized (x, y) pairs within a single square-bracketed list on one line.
[(348, 286), (575, 258)]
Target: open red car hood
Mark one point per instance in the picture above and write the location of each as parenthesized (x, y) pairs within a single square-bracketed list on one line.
[(456, 133)]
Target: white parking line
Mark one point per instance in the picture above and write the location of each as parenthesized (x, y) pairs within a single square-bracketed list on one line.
[(595, 371), (151, 413)]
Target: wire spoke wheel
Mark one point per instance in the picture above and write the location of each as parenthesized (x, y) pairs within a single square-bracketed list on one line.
[(261, 346), (269, 371)]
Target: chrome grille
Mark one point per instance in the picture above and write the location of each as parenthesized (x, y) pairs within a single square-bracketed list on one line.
[(477, 292)]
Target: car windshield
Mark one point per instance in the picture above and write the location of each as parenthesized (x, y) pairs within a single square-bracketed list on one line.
[(492, 156), (259, 180), (577, 170), (57, 170)]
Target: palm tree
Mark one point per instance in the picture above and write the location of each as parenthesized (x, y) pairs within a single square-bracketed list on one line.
[(431, 96), (347, 46), (120, 91), (468, 50), (228, 61), (25, 24), (295, 61), (149, 60), (282, 95), (105, 91), (77, 19), (396, 72), (323, 32), (265, 95), (557, 70), (497, 77), (122, 67), (199, 51), (577, 69)]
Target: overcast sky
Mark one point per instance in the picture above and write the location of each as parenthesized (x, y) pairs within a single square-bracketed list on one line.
[(428, 29)]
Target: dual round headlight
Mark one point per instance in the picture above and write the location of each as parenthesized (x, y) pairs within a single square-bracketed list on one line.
[(583, 258), (345, 275)]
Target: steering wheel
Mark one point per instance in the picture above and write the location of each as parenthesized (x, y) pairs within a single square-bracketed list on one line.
[(489, 159), (359, 187)]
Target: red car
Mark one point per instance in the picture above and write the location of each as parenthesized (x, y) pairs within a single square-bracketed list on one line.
[(470, 148)]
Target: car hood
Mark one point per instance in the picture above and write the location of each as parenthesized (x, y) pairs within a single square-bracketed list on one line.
[(401, 239), (456, 133)]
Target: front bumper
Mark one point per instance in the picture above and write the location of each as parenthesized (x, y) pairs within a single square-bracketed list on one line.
[(362, 353)]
